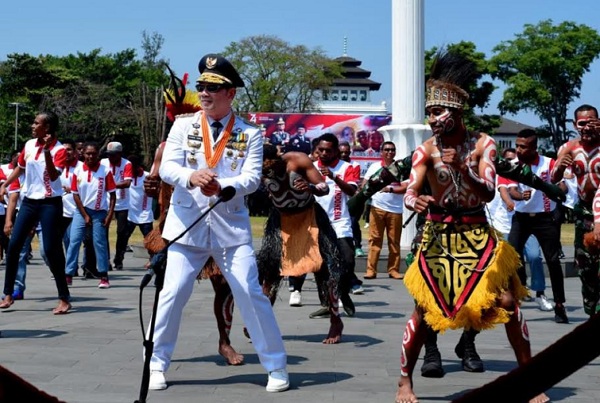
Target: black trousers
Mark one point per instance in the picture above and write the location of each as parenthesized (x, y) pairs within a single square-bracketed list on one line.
[(543, 226)]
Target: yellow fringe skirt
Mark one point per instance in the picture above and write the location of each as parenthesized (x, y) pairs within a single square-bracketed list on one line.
[(460, 271)]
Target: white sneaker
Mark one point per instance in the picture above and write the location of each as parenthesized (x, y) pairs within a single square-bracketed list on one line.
[(157, 380), (296, 298), (544, 304), (358, 289), (278, 381)]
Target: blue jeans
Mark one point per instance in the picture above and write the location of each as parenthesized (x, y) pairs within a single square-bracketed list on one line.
[(78, 230), (22, 269), (532, 253), (533, 256), (48, 212)]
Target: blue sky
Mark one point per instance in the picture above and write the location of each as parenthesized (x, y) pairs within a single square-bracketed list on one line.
[(193, 28)]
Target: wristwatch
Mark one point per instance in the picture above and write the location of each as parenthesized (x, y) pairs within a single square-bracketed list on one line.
[(391, 189)]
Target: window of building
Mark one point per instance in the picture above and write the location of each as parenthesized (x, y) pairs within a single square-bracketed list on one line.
[(363, 95), (353, 95), (344, 95)]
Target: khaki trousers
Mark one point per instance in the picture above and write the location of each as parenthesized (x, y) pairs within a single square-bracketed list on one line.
[(381, 221)]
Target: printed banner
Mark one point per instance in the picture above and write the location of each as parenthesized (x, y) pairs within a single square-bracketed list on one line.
[(360, 131)]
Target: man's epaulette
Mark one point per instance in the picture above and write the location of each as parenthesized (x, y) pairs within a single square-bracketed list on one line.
[(184, 115)]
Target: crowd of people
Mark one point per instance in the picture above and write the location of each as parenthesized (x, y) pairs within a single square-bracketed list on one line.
[(480, 217), (66, 194)]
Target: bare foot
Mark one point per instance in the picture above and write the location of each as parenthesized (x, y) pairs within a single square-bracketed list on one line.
[(62, 308), (541, 398), (405, 394), (7, 302), (230, 355), (335, 330)]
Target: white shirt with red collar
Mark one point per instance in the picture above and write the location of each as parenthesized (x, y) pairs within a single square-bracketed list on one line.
[(121, 172), (538, 202), (386, 201), (37, 183), (16, 187), (93, 186), (335, 203), (2, 180), (66, 177), (7, 170), (140, 205)]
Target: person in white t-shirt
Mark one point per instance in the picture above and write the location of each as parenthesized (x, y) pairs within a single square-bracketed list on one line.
[(123, 174), (41, 160), (140, 204), (535, 215), (72, 163), (90, 185), (500, 212), (342, 180), (385, 217)]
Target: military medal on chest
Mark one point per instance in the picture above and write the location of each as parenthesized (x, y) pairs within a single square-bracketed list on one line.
[(194, 142)]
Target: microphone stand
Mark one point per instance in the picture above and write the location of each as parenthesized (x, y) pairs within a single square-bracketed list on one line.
[(158, 265)]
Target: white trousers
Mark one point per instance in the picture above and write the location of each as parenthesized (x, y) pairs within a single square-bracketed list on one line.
[(238, 265)]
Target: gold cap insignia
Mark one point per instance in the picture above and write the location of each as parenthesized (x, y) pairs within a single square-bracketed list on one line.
[(211, 62)]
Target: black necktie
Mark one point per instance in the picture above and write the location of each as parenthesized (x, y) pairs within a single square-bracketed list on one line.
[(217, 126)]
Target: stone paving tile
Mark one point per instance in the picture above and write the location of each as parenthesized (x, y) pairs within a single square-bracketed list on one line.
[(94, 355)]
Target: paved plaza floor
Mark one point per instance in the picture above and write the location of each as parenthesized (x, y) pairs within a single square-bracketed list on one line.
[(94, 354)]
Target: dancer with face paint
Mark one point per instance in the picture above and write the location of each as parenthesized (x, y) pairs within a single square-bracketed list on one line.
[(582, 155), (463, 276)]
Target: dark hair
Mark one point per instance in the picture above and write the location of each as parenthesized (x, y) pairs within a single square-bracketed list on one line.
[(584, 108), (344, 143), (80, 139), (388, 142), (91, 144), (314, 143), (270, 152), (330, 138), (70, 142), (524, 133), (51, 119), (136, 162), (508, 150)]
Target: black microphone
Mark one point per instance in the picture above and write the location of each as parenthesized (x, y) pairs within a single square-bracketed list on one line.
[(226, 194), (158, 261)]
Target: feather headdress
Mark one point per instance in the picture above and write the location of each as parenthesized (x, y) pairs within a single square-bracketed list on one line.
[(450, 74), (178, 100)]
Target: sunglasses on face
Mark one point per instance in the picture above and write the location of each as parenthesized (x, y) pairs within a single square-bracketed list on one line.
[(212, 88), (389, 150)]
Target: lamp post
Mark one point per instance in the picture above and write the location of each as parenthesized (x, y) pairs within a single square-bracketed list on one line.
[(16, 105)]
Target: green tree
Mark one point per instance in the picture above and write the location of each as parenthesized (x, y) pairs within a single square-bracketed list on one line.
[(543, 68), (479, 90), (279, 77), (106, 97)]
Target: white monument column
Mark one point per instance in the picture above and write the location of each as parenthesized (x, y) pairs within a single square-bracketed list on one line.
[(407, 129)]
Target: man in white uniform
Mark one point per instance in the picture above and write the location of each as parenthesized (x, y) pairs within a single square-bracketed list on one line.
[(206, 152)]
